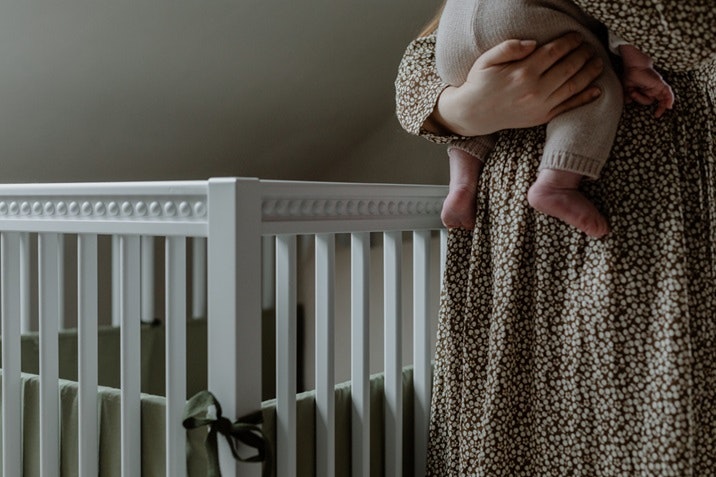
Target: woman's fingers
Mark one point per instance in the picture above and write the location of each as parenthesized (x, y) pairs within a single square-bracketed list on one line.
[(560, 75), (575, 101), (550, 53), (588, 69), (505, 52)]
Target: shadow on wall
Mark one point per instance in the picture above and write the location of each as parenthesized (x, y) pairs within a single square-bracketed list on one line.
[(192, 89)]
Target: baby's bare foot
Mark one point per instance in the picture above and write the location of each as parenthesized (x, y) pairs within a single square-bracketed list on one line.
[(564, 201), (459, 208)]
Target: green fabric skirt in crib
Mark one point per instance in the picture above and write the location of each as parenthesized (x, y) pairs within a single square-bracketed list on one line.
[(153, 409)]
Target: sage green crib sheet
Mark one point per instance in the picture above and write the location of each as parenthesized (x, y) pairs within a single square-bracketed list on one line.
[(152, 432), (153, 410), (153, 423)]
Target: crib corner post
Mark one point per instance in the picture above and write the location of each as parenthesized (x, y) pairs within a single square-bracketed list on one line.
[(234, 304)]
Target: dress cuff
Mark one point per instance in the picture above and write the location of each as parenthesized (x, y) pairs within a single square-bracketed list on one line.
[(615, 41)]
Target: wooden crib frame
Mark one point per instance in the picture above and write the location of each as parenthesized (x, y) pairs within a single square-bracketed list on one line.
[(234, 215)]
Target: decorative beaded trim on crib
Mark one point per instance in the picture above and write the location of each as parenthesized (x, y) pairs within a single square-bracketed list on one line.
[(274, 209), (182, 208), (118, 208)]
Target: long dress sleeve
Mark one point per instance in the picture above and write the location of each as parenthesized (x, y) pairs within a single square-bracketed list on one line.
[(417, 89)]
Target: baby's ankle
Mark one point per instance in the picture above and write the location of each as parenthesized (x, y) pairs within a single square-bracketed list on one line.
[(557, 179), (459, 207), (557, 194), (462, 187)]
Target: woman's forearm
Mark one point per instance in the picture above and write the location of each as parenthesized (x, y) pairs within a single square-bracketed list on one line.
[(451, 115)]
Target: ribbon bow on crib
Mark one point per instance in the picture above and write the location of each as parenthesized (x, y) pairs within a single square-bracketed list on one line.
[(204, 410)]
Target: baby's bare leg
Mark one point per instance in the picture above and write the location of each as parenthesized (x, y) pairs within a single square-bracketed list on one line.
[(459, 207), (556, 193)]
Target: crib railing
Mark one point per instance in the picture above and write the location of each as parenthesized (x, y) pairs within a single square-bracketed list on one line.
[(52, 212), (227, 221), (290, 209)]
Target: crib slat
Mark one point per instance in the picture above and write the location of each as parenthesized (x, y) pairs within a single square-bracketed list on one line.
[(116, 279), (11, 380), (130, 357), (198, 290), (268, 271), (443, 254), (87, 360), (421, 346), (392, 254), (147, 278), (360, 354), (325, 355), (25, 287), (48, 307), (62, 319), (175, 355), (286, 333)]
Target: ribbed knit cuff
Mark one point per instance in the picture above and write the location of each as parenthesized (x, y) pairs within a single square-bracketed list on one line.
[(478, 147), (568, 161)]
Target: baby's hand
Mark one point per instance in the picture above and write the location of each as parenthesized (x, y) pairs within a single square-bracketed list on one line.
[(642, 83)]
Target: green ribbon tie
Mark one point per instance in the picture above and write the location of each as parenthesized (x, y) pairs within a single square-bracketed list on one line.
[(204, 410)]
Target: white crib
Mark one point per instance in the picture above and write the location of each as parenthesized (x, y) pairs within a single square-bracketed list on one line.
[(231, 223)]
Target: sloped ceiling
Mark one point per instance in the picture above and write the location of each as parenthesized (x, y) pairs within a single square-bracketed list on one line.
[(158, 89)]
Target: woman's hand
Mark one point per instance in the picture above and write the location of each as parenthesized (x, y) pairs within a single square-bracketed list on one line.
[(517, 85)]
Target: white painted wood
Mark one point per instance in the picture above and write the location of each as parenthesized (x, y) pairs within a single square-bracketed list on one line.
[(325, 355), (87, 359), (286, 333), (116, 280), (11, 381), (198, 267), (147, 281), (268, 272), (179, 208), (175, 355), (235, 304), (61, 315), (421, 347), (104, 189), (360, 354), (25, 294), (49, 291), (308, 207), (149, 208), (130, 372), (393, 410), (128, 226)]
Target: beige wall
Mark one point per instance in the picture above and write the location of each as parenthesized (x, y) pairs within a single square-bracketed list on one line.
[(126, 90)]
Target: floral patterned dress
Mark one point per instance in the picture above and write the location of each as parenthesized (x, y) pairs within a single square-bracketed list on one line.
[(563, 355)]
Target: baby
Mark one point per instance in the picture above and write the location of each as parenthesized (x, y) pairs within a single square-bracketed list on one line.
[(578, 142)]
